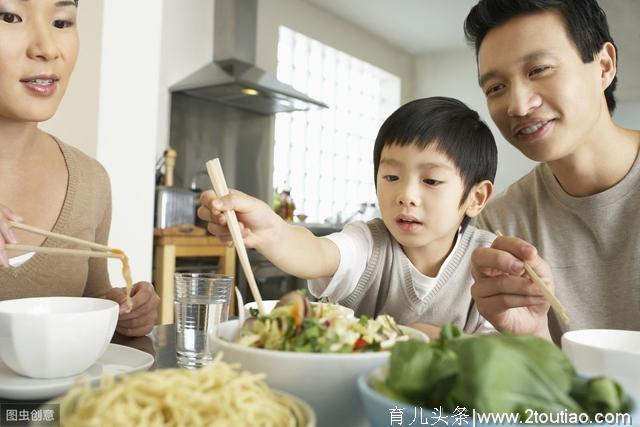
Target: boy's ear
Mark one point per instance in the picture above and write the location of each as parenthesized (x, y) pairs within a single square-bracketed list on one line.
[(608, 64), (478, 198)]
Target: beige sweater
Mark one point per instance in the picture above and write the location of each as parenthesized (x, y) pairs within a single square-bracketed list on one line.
[(591, 244), (85, 214)]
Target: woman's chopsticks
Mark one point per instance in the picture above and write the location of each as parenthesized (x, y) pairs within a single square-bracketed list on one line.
[(220, 187), (62, 251), (101, 251), (553, 300), (80, 242)]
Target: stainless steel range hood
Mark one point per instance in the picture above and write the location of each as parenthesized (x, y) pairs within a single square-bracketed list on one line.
[(232, 78)]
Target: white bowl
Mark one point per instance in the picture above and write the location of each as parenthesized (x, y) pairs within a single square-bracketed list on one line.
[(55, 337), (327, 381), (271, 303), (610, 352)]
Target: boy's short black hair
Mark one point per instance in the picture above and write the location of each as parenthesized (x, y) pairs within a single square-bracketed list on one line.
[(586, 24), (449, 126)]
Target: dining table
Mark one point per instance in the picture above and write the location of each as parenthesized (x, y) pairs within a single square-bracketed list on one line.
[(159, 343)]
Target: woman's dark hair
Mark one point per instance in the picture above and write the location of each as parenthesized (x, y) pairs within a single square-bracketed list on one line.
[(450, 127), (586, 24)]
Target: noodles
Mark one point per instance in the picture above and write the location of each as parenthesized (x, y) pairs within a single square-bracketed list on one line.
[(216, 395), (126, 273)]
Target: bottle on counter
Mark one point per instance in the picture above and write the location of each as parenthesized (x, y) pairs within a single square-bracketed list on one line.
[(283, 203)]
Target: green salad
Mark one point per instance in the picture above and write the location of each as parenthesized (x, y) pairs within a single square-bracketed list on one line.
[(496, 373), (296, 325)]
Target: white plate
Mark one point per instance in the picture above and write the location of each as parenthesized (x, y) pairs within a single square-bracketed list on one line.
[(116, 360)]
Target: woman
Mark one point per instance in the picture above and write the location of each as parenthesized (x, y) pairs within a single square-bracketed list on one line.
[(46, 183)]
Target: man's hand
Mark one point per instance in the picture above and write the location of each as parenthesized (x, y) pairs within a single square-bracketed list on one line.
[(504, 295)]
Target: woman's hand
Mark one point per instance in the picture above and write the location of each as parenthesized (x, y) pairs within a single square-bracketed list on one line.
[(144, 309), (6, 233)]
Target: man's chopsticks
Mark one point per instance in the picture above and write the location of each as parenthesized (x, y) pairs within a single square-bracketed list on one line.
[(553, 300), (101, 251), (220, 187)]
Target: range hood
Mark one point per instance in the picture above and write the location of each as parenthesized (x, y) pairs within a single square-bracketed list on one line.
[(233, 79)]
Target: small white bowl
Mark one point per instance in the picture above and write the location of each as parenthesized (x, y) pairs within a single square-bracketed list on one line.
[(271, 303), (55, 337), (327, 381), (610, 352)]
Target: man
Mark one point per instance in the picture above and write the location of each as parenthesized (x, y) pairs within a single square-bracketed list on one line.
[(548, 70)]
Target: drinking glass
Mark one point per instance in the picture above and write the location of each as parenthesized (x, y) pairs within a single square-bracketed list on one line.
[(201, 303)]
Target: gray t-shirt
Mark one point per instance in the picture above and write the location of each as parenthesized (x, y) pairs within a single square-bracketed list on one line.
[(589, 242)]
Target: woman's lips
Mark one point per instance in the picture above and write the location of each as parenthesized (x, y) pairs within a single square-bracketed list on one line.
[(41, 87)]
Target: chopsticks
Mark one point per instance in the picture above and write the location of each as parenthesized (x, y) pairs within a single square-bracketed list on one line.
[(62, 251), (42, 232), (102, 251), (553, 300), (220, 187)]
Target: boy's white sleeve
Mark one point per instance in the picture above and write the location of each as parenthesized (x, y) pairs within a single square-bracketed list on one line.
[(485, 327), (355, 245)]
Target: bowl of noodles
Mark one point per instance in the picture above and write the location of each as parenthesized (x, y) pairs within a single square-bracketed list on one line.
[(219, 394), (316, 355)]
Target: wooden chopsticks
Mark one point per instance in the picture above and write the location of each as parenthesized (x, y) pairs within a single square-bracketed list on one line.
[(553, 300), (101, 251), (62, 251), (220, 187)]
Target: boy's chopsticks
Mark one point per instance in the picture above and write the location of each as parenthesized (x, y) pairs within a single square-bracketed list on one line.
[(63, 251), (80, 242), (553, 300), (220, 187)]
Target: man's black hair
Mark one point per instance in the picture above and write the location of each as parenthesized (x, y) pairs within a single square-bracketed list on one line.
[(585, 21), (450, 127)]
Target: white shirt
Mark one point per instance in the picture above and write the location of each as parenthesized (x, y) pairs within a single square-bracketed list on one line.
[(17, 261)]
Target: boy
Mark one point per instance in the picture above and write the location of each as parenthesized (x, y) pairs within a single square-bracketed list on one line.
[(548, 69), (434, 163)]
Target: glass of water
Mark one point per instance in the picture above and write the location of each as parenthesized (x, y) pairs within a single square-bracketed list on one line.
[(201, 303)]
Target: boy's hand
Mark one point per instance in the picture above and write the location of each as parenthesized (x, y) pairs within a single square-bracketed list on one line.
[(504, 295), (433, 332), (6, 233), (257, 220)]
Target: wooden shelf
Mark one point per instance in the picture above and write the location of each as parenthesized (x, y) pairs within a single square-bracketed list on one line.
[(168, 248)]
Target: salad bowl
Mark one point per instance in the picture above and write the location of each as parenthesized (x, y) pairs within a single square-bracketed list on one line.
[(270, 304), (327, 381)]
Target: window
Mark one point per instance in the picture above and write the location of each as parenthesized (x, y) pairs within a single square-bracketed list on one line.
[(326, 156)]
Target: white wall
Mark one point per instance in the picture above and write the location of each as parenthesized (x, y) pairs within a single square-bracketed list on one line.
[(627, 114), (331, 30), (187, 45), (128, 123), (454, 74), (76, 121)]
